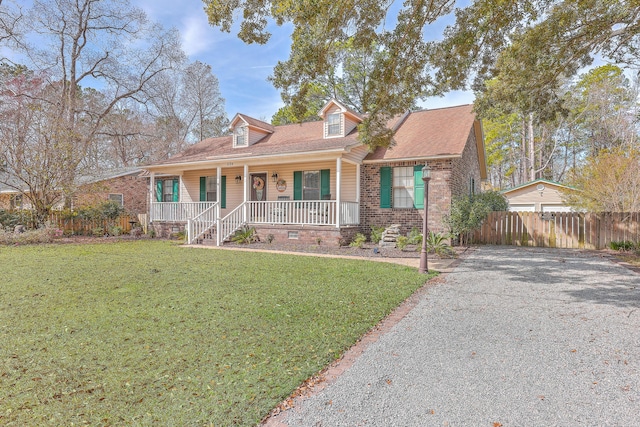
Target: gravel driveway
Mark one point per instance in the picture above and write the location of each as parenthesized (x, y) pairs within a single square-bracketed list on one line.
[(513, 337)]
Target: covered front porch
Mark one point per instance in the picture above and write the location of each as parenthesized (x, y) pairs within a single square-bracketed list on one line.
[(212, 203)]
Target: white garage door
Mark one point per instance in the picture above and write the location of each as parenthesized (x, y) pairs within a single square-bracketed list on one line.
[(522, 208), (555, 208)]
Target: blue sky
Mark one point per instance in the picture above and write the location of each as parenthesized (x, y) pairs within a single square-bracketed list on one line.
[(243, 69)]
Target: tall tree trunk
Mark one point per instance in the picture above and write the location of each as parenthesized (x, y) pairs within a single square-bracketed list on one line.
[(532, 151)]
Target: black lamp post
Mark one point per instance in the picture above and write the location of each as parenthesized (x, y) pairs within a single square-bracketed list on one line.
[(426, 176)]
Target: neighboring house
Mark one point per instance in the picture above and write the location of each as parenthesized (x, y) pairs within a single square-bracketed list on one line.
[(129, 187), (126, 186), (537, 196), (316, 181)]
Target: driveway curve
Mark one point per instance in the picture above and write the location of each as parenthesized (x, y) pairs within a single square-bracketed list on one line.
[(511, 337)]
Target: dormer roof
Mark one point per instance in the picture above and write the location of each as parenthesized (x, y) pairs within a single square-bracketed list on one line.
[(343, 109), (251, 122)]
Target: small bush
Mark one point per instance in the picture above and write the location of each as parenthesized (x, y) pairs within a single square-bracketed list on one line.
[(402, 242), (270, 238), (30, 237), (116, 230), (436, 243), (376, 234), (415, 237), (624, 245), (97, 232), (318, 240), (358, 241), (245, 235)]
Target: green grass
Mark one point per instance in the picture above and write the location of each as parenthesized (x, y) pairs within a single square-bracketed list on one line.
[(147, 332)]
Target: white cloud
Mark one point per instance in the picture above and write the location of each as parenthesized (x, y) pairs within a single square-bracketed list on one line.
[(197, 35)]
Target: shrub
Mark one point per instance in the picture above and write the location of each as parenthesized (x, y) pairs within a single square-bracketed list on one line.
[(624, 245), (468, 212), (376, 234), (358, 240), (40, 235), (402, 242), (98, 231), (415, 237), (245, 235), (116, 230), (437, 243), (270, 238)]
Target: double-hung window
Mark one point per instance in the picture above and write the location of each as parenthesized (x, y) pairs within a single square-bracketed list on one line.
[(333, 124), (209, 190), (401, 187), (312, 185), (117, 198), (167, 190), (241, 136)]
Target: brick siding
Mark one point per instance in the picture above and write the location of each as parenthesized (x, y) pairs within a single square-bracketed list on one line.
[(449, 177), (134, 190)]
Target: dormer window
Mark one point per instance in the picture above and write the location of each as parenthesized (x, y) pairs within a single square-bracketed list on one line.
[(240, 135), (333, 124)]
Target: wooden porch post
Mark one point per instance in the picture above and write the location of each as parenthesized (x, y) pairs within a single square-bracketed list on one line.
[(151, 194), (358, 183), (218, 196), (245, 194), (338, 185)]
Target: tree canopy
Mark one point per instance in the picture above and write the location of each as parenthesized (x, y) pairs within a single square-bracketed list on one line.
[(534, 45)]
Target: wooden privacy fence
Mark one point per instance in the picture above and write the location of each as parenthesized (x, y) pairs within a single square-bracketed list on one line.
[(572, 230), (85, 226)]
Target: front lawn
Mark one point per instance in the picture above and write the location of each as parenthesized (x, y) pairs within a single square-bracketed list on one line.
[(147, 332)]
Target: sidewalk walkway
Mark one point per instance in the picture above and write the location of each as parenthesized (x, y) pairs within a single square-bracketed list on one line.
[(512, 336)]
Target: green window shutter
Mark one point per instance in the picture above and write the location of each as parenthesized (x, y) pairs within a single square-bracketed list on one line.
[(418, 187), (176, 189), (223, 192), (203, 188), (385, 186), (325, 183), (158, 190), (297, 185)]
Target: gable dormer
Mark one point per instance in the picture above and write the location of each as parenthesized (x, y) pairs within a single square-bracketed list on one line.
[(338, 119), (247, 131)]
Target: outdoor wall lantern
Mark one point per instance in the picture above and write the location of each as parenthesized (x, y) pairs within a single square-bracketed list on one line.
[(274, 177), (238, 178), (426, 176)]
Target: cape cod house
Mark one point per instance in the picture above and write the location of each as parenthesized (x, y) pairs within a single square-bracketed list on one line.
[(315, 181)]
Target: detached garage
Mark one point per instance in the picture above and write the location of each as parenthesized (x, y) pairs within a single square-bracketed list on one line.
[(537, 196)]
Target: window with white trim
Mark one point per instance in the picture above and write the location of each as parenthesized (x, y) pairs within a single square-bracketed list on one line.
[(403, 187), (211, 188), (167, 190), (240, 136), (118, 198), (333, 124)]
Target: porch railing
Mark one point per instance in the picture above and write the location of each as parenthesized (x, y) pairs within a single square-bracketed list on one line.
[(178, 211), (313, 212), (201, 223), (349, 213)]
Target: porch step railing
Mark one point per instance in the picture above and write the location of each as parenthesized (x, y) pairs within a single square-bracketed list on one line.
[(178, 211), (230, 223), (202, 223)]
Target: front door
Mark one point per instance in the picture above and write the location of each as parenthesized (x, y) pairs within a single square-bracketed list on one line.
[(258, 187)]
